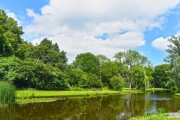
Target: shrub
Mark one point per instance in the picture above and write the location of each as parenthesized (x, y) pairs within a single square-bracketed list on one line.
[(7, 93), (116, 83), (94, 81)]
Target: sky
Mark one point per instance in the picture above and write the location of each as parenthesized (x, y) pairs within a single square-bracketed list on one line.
[(99, 26)]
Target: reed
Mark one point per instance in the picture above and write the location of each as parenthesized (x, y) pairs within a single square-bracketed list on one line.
[(7, 93)]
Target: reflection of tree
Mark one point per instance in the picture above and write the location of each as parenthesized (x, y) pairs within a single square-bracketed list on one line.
[(114, 107)]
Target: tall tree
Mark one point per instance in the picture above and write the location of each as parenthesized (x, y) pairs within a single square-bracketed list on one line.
[(174, 58), (49, 53), (10, 35), (131, 58)]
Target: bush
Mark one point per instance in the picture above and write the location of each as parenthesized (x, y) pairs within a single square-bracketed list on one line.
[(116, 83), (7, 93), (94, 81)]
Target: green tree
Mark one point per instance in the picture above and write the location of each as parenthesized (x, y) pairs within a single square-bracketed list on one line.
[(161, 75), (49, 53), (174, 59), (87, 62), (107, 71), (10, 35), (102, 59), (131, 58), (25, 50), (116, 83), (94, 81), (32, 73), (139, 77)]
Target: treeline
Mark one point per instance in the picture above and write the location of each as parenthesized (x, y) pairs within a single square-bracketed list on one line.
[(44, 66)]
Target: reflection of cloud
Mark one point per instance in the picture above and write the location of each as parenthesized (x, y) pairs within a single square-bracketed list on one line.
[(75, 25)]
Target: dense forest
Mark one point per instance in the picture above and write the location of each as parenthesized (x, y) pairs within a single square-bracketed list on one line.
[(45, 66)]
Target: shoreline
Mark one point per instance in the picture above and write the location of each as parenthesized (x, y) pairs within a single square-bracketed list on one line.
[(37, 96)]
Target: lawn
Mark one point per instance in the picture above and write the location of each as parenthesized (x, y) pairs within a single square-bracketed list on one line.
[(162, 116), (29, 96)]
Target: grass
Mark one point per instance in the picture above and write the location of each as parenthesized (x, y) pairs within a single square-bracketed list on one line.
[(7, 93), (29, 96), (162, 116), (156, 89)]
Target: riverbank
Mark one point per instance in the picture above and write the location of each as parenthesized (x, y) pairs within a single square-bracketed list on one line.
[(156, 89), (30, 96), (159, 116), (178, 94)]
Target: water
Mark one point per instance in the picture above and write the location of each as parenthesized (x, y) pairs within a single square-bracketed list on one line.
[(112, 107)]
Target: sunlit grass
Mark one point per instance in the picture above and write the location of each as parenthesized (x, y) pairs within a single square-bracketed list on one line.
[(156, 89), (163, 116), (27, 96)]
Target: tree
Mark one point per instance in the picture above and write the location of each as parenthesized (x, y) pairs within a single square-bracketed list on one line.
[(25, 51), (10, 35), (116, 83), (131, 58), (87, 62), (32, 73), (139, 77), (161, 75), (102, 59), (49, 53), (174, 59), (107, 71)]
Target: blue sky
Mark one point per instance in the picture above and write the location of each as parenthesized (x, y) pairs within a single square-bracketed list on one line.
[(99, 26)]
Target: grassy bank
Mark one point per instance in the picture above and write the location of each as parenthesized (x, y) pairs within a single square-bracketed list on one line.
[(162, 116), (156, 89), (29, 96), (178, 94)]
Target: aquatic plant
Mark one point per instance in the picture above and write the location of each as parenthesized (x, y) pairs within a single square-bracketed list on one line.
[(7, 93)]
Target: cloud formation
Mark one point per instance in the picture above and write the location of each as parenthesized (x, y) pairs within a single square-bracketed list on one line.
[(75, 24), (162, 43)]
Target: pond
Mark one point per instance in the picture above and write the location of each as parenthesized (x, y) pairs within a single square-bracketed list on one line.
[(110, 107)]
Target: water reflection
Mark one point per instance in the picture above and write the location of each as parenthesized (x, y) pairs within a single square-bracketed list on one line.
[(114, 107)]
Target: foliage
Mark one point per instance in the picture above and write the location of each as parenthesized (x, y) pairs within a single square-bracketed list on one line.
[(107, 71), (174, 59), (116, 83), (94, 81), (139, 77), (131, 58), (49, 53), (31, 73), (7, 93), (10, 35), (87, 62), (161, 75), (102, 59)]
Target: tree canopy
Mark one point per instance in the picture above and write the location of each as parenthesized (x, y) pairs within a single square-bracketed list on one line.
[(45, 66), (10, 35)]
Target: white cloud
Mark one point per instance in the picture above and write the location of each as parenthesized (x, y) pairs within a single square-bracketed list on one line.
[(74, 24), (162, 43), (13, 15)]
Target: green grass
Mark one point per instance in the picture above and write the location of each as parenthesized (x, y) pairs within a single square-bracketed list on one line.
[(156, 89), (7, 93), (29, 96), (178, 94), (162, 116)]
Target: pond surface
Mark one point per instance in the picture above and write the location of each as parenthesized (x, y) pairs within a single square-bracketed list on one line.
[(111, 107)]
